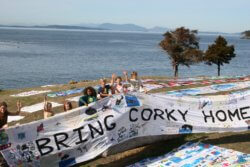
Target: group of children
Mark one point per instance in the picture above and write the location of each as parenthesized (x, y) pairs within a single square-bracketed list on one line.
[(90, 95), (115, 87)]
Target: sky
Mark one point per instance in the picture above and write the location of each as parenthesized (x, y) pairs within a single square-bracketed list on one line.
[(204, 15)]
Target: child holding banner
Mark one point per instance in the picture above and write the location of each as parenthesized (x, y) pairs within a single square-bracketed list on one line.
[(4, 113), (47, 111), (118, 86), (67, 106), (135, 82), (105, 90), (89, 96)]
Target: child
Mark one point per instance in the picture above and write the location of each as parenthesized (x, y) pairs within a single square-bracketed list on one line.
[(89, 97), (47, 110), (67, 106), (105, 90), (117, 84), (135, 82), (4, 113)]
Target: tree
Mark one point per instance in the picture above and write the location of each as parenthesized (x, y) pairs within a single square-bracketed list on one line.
[(182, 47), (219, 53)]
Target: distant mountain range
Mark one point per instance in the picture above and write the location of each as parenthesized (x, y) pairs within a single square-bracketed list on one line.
[(125, 27), (122, 27), (55, 27), (104, 26), (108, 26)]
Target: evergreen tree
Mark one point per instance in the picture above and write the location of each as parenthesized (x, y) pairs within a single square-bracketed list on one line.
[(219, 53)]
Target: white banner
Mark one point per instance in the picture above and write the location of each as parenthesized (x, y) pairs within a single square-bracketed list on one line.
[(86, 132)]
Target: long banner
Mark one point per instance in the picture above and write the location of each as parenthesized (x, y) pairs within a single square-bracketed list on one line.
[(86, 132)]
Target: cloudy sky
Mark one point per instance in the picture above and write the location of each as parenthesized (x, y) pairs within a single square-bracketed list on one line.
[(204, 15)]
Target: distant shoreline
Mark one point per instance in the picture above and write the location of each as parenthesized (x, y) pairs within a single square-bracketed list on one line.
[(245, 37), (55, 27), (78, 30), (81, 28)]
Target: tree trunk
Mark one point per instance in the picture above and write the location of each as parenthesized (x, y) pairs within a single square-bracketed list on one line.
[(218, 69), (176, 71)]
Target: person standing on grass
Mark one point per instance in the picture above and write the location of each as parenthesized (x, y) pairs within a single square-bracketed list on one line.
[(89, 97), (105, 90), (4, 113)]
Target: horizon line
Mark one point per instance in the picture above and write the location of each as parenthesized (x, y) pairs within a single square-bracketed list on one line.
[(98, 24)]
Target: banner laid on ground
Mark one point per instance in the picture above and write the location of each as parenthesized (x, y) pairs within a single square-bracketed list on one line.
[(210, 89), (198, 154), (14, 118), (66, 92), (197, 80), (86, 132), (30, 93), (38, 107)]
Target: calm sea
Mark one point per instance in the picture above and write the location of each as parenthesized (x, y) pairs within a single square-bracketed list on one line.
[(30, 57)]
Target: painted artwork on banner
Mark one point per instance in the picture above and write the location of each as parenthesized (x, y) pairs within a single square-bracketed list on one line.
[(4, 140), (209, 89), (132, 101), (86, 132), (22, 155), (198, 154)]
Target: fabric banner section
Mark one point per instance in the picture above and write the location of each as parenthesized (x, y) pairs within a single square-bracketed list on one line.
[(14, 118), (38, 107), (210, 89), (85, 132), (30, 93)]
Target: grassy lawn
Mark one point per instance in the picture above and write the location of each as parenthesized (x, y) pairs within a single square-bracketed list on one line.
[(237, 141)]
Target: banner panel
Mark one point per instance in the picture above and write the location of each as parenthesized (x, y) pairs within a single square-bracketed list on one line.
[(86, 132)]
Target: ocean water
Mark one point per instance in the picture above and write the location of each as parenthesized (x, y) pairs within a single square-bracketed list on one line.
[(34, 57)]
